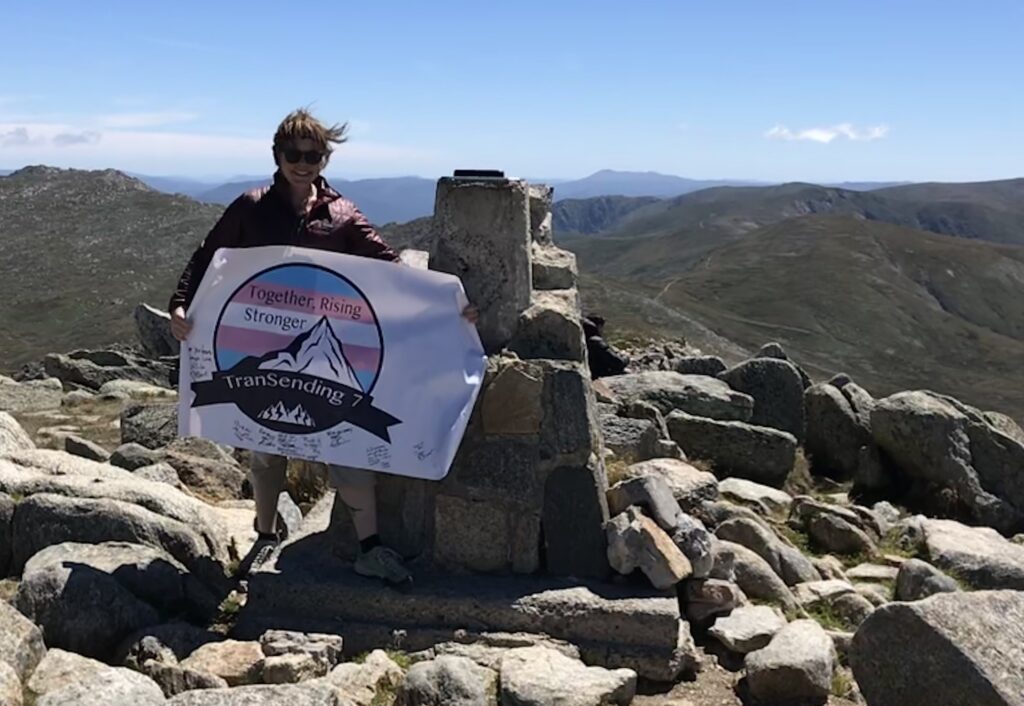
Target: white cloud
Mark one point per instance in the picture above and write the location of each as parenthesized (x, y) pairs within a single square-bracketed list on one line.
[(825, 135), (160, 152), (16, 137), (86, 137), (144, 119)]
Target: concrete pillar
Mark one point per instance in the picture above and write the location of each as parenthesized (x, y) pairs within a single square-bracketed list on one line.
[(483, 237)]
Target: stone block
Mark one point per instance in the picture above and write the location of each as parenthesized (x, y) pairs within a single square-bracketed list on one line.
[(78, 446), (89, 597), (636, 542), (540, 213), (690, 486), (483, 237), (512, 403), (234, 661), (698, 395), (777, 390), (404, 513), (526, 543), (289, 669), (952, 648), (707, 599), (550, 327), (30, 395), (471, 535), (748, 628), (504, 468), (649, 493), (756, 453), (569, 434), (154, 330), (700, 365), (364, 683), (613, 626), (553, 268), (795, 667), (21, 642), (151, 425), (324, 649), (631, 439), (574, 516), (539, 675), (449, 679)]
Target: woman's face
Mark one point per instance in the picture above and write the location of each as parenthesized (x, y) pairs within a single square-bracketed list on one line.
[(294, 161)]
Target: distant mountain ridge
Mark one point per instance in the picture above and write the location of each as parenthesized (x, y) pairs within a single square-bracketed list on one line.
[(402, 199), (674, 234), (385, 200), (1000, 194), (609, 182), (821, 269)]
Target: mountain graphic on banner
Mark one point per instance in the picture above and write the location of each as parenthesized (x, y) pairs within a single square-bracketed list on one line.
[(317, 352), (279, 413)]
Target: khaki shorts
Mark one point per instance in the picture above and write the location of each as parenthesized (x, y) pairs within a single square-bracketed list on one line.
[(264, 463)]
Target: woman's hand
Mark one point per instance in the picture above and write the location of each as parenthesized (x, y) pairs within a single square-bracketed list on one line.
[(180, 326), (471, 314)]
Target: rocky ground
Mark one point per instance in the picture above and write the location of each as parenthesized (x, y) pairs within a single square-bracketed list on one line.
[(822, 546)]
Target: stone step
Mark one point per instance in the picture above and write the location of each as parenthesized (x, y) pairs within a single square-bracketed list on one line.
[(617, 626)]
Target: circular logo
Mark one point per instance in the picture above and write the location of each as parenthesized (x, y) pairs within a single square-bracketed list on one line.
[(298, 349)]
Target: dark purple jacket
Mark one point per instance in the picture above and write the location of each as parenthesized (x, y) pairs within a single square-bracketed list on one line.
[(265, 216)]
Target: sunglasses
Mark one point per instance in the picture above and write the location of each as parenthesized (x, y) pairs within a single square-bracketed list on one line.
[(293, 156)]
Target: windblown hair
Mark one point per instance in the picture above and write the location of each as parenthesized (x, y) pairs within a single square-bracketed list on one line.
[(301, 124)]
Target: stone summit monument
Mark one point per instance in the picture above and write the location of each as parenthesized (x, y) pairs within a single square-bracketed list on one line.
[(513, 540)]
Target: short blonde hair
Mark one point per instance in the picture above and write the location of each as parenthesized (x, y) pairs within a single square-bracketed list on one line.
[(301, 124)]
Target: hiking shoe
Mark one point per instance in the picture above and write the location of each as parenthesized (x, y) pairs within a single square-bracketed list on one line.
[(383, 563), (261, 552), (280, 528)]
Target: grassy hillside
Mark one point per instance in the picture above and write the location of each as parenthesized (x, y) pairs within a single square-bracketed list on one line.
[(594, 215), (894, 307), (80, 250), (1005, 194), (665, 238)]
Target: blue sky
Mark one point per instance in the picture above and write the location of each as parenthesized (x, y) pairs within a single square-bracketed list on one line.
[(784, 90)]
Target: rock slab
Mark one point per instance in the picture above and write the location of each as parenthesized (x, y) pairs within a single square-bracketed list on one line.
[(263, 695), (88, 597), (21, 642), (635, 541), (67, 679), (448, 680), (699, 395), (748, 628), (734, 448), (953, 648), (795, 666), (535, 676)]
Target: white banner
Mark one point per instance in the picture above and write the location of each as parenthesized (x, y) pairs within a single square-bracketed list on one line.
[(333, 358)]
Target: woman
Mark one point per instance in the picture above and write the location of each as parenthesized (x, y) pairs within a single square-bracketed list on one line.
[(284, 214)]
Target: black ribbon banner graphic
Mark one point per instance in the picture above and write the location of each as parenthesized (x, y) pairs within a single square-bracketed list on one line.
[(292, 402)]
